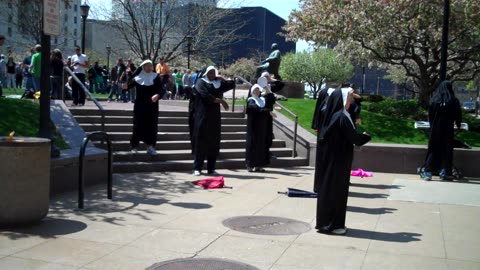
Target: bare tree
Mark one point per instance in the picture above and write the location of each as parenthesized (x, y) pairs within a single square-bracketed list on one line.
[(156, 29)]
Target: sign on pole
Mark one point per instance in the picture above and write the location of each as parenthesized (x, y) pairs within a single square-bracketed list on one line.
[(51, 17)]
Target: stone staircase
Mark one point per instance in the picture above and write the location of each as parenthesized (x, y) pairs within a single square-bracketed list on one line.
[(173, 145)]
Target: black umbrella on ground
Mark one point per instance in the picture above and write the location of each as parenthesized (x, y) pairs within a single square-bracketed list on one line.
[(293, 192)]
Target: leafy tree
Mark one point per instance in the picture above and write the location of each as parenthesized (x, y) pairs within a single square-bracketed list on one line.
[(161, 29), (245, 67), (401, 33), (313, 67)]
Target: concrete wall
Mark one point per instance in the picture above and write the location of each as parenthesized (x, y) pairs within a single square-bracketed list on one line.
[(388, 158)]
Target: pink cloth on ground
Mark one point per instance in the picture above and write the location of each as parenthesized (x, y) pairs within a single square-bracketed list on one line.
[(361, 173)]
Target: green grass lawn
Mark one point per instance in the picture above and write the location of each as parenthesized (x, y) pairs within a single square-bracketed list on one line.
[(382, 128), (22, 116)]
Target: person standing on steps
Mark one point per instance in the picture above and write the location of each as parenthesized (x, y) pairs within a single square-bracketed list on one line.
[(205, 121), (79, 65), (145, 110), (258, 111)]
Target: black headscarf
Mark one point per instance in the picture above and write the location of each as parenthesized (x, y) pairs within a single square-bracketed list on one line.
[(330, 116), (444, 94), (317, 115)]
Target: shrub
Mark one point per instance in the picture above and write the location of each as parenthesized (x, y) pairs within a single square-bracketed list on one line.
[(404, 109), (473, 123)]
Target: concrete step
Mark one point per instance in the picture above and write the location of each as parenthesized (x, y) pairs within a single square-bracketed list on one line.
[(169, 155), (95, 112), (186, 165), (175, 136), (93, 119), (161, 128), (183, 145)]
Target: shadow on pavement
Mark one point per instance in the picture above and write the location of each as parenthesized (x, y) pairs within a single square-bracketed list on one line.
[(375, 186), (192, 205), (399, 237), (371, 211), (48, 228), (367, 195)]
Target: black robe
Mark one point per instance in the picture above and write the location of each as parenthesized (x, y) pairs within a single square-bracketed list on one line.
[(258, 138), (337, 156), (145, 112), (442, 117), (205, 118)]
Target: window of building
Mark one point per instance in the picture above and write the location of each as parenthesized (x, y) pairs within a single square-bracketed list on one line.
[(75, 19)]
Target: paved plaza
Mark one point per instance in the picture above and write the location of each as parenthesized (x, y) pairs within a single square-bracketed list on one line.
[(393, 224)]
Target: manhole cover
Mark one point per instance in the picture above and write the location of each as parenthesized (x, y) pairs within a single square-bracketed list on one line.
[(267, 225), (201, 264)]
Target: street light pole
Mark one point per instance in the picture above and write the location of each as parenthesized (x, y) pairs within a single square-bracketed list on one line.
[(189, 50), (446, 18), (109, 50), (85, 9)]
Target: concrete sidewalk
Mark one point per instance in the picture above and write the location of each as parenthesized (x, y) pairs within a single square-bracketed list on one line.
[(158, 217)]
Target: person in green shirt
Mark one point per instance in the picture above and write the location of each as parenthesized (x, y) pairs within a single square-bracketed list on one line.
[(178, 83), (35, 67)]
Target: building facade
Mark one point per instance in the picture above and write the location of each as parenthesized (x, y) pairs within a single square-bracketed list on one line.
[(20, 23), (261, 29)]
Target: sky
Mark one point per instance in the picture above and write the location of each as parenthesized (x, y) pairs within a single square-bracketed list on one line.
[(280, 7)]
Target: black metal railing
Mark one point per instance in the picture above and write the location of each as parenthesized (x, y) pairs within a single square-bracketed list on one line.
[(81, 181), (90, 96)]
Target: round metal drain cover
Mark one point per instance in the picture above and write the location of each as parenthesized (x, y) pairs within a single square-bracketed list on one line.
[(267, 225), (201, 264)]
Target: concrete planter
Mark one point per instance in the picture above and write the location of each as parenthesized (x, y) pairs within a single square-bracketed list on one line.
[(24, 180)]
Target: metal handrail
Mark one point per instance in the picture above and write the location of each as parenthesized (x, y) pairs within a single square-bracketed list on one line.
[(81, 180), (295, 128), (92, 98), (295, 117)]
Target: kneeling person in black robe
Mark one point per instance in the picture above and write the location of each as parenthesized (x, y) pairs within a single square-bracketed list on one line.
[(145, 110), (337, 137), (258, 139), (206, 122)]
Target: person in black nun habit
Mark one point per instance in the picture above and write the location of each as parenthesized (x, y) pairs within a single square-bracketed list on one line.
[(443, 112), (206, 119), (258, 112), (337, 138), (267, 82), (145, 110)]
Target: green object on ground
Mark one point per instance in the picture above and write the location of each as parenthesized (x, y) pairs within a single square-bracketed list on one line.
[(382, 128), (22, 116)]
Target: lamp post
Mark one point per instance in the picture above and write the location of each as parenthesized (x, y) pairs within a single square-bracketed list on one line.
[(109, 50), (189, 49), (160, 36), (444, 50), (84, 9)]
